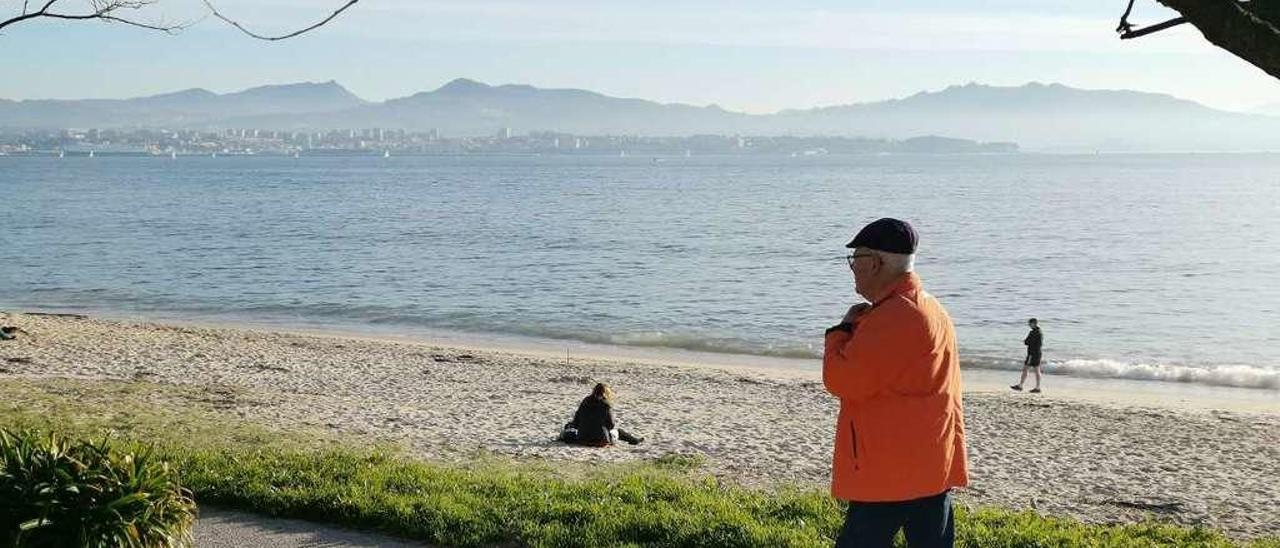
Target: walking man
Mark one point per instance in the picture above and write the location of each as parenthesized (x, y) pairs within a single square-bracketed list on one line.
[(892, 362), (1033, 341)]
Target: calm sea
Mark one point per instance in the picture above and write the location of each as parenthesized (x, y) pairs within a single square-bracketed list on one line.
[(1162, 267)]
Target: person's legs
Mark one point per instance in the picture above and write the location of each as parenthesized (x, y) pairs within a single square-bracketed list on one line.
[(1033, 360), (870, 525), (930, 522), (1022, 380), (628, 437), (568, 434)]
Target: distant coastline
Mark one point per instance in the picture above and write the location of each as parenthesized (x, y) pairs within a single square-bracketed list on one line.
[(1039, 117), (384, 142)]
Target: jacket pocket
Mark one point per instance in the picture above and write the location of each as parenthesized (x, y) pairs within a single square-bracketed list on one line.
[(853, 441)]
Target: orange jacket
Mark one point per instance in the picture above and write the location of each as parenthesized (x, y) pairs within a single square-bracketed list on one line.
[(900, 434)]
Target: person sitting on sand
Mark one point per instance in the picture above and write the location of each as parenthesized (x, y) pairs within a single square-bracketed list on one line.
[(1033, 341), (593, 424)]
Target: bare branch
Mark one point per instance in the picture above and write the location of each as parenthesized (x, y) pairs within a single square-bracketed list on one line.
[(1152, 28), (1126, 30), (102, 10), (26, 15), (113, 19), (1124, 25), (233, 23), (107, 11)]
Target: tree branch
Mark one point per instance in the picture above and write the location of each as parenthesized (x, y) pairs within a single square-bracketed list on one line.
[(106, 11), (103, 10), (1124, 25), (1232, 26), (113, 19), (233, 23), (1128, 34)]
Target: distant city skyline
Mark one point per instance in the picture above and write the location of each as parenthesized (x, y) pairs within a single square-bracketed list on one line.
[(751, 56)]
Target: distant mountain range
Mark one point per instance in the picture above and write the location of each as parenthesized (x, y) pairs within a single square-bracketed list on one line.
[(189, 108), (1036, 116)]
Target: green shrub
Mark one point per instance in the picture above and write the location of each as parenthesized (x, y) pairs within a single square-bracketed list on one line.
[(54, 492)]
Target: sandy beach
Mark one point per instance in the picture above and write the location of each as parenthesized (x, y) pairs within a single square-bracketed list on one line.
[(1095, 455)]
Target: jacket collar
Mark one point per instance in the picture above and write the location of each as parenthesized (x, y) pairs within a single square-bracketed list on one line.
[(908, 283)]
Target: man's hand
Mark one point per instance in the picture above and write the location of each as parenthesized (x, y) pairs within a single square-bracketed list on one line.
[(854, 311)]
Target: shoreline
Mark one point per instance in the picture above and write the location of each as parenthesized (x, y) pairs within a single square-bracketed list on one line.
[(1116, 459), (1099, 390), (1104, 391)]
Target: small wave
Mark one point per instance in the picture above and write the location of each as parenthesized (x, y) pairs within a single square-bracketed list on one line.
[(1231, 375), (694, 342), (1240, 376), (664, 339), (1243, 376)]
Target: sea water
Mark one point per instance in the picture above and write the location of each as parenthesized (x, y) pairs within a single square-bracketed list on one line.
[(1158, 267)]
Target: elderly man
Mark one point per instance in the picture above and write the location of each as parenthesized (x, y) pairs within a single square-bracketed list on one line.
[(899, 446)]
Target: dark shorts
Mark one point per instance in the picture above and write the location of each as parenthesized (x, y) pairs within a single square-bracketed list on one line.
[(1033, 359)]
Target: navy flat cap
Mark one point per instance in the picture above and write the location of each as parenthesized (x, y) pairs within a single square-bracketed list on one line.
[(889, 235)]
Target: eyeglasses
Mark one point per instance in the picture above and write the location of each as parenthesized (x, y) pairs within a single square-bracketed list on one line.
[(853, 257)]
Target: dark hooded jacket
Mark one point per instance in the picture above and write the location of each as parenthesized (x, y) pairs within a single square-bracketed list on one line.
[(594, 420), (1034, 341)]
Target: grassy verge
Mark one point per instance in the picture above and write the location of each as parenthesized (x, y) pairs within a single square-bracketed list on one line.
[(492, 501)]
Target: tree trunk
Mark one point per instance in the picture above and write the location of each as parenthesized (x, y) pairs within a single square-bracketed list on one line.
[(1230, 25)]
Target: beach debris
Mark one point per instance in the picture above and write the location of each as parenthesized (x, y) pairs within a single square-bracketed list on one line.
[(19, 359), (538, 392), (220, 398), (1159, 507), (458, 358), (58, 315), (269, 367), (752, 380), (571, 379), (1225, 416), (1033, 404)]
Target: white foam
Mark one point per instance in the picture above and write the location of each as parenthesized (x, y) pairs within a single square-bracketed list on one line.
[(1244, 376)]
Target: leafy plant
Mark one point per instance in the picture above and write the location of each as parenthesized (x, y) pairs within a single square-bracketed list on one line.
[(55, 492)]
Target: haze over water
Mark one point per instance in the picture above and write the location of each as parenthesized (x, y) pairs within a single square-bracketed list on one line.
[(1140, 266)]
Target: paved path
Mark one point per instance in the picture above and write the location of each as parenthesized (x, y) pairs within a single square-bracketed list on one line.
[(218, 528)]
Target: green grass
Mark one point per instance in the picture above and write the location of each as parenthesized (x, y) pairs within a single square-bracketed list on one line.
[(493, 501)]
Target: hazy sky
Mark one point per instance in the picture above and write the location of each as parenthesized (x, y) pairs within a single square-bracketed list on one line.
[(753, 55)]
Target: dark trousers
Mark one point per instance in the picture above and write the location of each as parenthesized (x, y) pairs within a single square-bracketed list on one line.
[(927, 522), (626, 436), (571, 435)]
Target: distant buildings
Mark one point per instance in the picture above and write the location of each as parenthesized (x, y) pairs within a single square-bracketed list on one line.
[(381, 141)]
